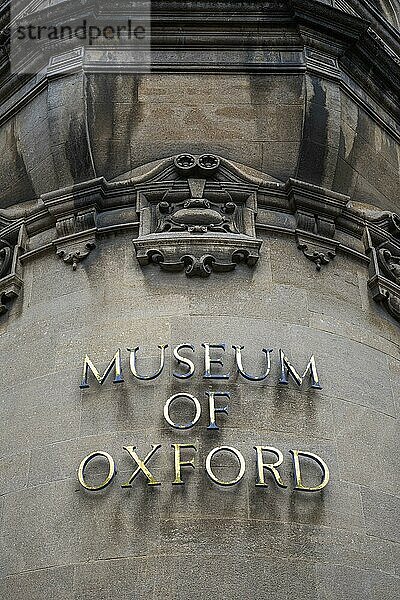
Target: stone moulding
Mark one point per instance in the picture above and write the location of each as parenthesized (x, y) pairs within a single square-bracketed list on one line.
[(196, 214), (382, 243), (200, 219), (11, 281)]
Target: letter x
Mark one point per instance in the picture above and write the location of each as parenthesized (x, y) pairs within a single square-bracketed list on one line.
[(141, 465)]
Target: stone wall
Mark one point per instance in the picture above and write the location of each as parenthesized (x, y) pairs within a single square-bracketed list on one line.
[(243, 190), (198, 540), (296, 126)]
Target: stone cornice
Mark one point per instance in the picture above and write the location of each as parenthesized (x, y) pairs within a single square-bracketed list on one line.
[(366, 10), (117, 196), (201, 214), (296, 36)]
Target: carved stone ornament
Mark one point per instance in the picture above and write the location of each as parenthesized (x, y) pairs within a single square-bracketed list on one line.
[(11, 270), (316, 211), (198, 217), (76, 237), (74, 211), (382, 242)]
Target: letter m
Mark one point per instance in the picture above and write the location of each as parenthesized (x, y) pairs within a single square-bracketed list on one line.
[(88, 365), (287, 368)]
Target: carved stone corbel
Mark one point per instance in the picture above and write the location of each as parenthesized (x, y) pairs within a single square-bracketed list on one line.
[(74, 211), (76, 236), (11, 269), (316, 210), (382, 243)]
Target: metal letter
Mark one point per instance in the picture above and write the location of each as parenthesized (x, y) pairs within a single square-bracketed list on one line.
[(238, 455), (213, 410), (297, 473), (87, 364), (111, 471), (132, 363), (239, 362), (141, 465), (185, 425), (186, 361), (286, 368), (209, 361), (181, 463), (270, 466)]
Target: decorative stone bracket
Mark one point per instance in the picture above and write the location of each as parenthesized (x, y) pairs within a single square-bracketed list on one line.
[(11, 269), (74, 211), (200, 220), (382, 242), (316, 211), (76, 236)]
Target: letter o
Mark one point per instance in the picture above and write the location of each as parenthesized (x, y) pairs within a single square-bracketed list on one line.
[(185, 425), (108, 32), (111, 471), (238, 455)]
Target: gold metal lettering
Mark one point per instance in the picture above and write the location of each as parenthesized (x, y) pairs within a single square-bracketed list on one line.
[(213, 409), (181, 463), (297, 472), (111, 471), (208, 361), (272, 467), (141, 465), (132, 363), (238, 455), (287, 367), (184, 425), (239, 362), (183, 360), (115, 362)]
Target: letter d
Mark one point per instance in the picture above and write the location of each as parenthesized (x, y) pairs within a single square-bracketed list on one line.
[(297, 472)]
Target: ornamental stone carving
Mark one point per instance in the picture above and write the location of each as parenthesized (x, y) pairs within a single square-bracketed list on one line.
[(10, 269), (316, 211), (197, 216), (382, 242), (5, 257), (75, 212), (76, 237)]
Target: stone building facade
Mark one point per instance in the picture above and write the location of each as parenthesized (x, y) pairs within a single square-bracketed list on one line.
[(243, 191)]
